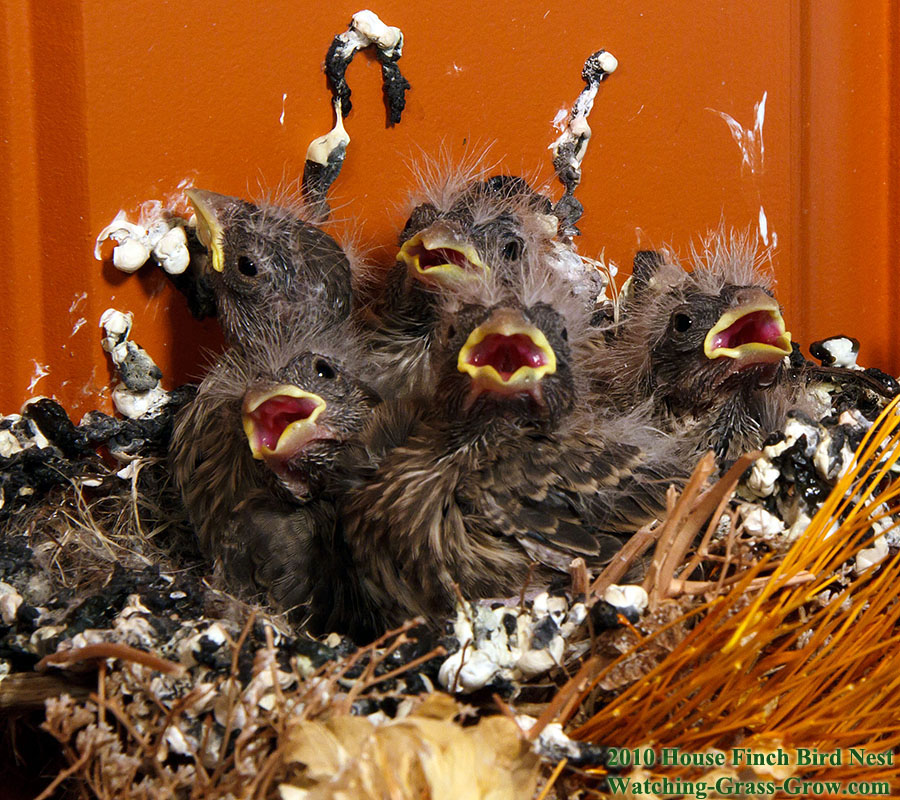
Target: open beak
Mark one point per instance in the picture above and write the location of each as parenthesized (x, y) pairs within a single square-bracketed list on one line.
[(752, 334), (506, 356), (438, 254), (280, 422), (208, 206)]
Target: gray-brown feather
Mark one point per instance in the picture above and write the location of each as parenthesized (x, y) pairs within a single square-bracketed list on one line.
[(502, 217), (278, 268), (478, 515), (471, 492), (273, 543), (641, 360)]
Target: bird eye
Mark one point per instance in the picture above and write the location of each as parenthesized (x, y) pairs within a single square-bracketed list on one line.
[(246, 267), (513, 249), (681, 322), (451, 332), (324, 369), (565, 334)]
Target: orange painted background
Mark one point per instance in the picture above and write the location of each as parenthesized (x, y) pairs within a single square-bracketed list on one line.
[(107, 104)]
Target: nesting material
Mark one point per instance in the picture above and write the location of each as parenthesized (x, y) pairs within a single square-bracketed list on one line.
[(140, 393), (39, 449), (799, 467), (158, 234), (10, 602), (239, 731), (185, 670), (762, 668), (424, 754), (502, 644), (174, 664), (325, 155), (554, 745)]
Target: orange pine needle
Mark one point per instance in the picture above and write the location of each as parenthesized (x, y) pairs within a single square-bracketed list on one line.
[(793, 665)]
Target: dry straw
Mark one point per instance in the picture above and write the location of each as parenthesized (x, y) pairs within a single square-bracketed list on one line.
[(795, 663)]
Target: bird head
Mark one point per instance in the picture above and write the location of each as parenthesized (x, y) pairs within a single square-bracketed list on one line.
[(301, 418), (482, 227), (507, 361), (266, 264), (708, 332)]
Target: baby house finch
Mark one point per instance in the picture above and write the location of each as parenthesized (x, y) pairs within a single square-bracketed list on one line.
[(707, 347), (257, 456), (465, 231), (268, 268), (508, 462)]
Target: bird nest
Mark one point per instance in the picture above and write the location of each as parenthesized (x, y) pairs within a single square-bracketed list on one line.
[(129, 672)]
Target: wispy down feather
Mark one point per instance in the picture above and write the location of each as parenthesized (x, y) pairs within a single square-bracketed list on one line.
[(657, 352)]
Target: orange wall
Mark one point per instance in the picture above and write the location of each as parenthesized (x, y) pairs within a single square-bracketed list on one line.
[(107, 104)]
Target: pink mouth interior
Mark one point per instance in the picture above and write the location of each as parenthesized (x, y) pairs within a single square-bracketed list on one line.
[(506, 354), (758, 326), (429, 259), (276, 413)]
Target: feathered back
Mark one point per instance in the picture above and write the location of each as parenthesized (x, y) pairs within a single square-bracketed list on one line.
[(211, 460), (288, 199)]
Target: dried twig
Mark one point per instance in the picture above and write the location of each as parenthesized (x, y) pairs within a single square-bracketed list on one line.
[(105, 650)]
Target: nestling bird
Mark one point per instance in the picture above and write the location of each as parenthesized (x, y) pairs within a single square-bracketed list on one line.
[(468, 229), (269, 268), (707, 347), (258, 455), (507, 462)]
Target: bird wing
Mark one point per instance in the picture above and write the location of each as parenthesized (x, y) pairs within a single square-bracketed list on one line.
[(562, 498), (268, 546), (296, 557)]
